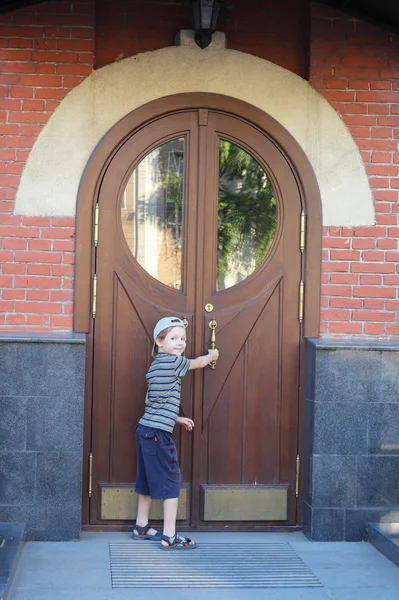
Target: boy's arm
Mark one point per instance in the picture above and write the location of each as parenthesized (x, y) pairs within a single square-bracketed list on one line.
[(202, 361)]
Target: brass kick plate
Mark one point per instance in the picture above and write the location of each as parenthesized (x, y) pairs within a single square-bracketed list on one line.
[(119, 503), (245, 503)]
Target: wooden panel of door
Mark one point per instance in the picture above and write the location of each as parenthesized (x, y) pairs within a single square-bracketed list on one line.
[(130, 302), (248, 405)]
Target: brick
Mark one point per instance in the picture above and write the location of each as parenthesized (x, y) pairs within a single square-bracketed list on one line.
[(38, 282), (382, 207), (379, 182), (383, 170), (13, 294), (14, 244), (330, 242), (14, 319), (62, 222), (68, 259), (351, 303), (58, 232), (387, 220), (6, 281), (38, 269), (373, 292), (393, 329), (334, 315), (64, 246), (62, 296), (67, 284), (52, 308), (338, 278), (373, 255), (389, 244), (44, 245), (392, 304), (370, 279), (336, 290), (351, 328), (37, 295), (335, 267), (374, 304), (23, 232), (391, 280), (37, 319), (370, 232), (349, 255), (65, 322), (393, 232), (13, 269), (36, 221), (347, 96), (38, 257), (373, 328), (362, 244), (381, 157), (362, 267), (63, 270), (371, 316)]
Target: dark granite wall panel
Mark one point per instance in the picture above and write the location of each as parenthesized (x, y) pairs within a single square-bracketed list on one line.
[(351, 438), (41, 434)]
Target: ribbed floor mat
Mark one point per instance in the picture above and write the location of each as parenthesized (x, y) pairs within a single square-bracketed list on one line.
[(211, 565)]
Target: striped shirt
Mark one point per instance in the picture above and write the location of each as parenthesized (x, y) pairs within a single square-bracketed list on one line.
[(163, 378)]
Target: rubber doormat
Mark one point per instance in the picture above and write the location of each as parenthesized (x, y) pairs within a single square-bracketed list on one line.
[(211, 565)]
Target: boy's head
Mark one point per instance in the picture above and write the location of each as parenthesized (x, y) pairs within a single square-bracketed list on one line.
[(169, 336)]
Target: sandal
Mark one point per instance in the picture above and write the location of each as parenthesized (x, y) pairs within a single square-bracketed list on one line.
[(142, 533), (178, 543)]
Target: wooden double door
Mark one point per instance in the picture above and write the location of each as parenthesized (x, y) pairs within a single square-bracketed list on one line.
[(199, 217)]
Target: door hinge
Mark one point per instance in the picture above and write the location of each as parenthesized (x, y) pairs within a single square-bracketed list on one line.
[(96, 218), (298, 465), (301, 292), (90, 474), (94, 295), (302, 239)]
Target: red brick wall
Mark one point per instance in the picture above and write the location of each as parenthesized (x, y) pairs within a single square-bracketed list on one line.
[(272, 29), (355, 66), (45, 50)]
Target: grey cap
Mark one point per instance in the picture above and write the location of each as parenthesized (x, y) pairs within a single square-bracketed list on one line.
[(164, 324)]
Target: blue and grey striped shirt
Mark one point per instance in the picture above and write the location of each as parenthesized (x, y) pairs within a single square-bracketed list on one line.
[(163, 378)]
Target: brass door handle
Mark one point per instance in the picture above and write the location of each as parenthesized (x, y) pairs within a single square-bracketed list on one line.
[(212, 325)]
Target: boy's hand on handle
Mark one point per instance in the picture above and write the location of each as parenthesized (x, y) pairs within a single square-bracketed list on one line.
[(202, 361), (214, 354), (187, 423)]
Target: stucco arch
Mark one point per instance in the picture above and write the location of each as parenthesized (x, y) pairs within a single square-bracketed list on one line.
[(50, 180)]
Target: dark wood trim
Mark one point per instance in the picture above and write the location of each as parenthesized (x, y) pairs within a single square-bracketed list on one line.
[(85, 255), (117, 136)]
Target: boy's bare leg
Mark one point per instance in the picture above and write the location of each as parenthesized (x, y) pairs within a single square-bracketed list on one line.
[(169, 517), (143, 511)]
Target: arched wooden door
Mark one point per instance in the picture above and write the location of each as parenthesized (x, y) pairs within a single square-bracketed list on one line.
[(200, 218)]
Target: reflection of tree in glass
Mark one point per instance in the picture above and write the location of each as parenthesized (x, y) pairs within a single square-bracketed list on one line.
[(247, 209)]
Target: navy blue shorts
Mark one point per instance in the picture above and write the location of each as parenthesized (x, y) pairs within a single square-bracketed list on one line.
[(158, 472)]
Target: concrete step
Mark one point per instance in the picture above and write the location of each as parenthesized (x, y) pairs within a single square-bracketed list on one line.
[(385, 537), (12, 537)]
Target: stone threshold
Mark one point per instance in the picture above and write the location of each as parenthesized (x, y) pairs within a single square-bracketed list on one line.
[(12, 537), (385, 538)]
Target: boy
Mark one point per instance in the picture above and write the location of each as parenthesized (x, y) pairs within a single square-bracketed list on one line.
[(158, 472)]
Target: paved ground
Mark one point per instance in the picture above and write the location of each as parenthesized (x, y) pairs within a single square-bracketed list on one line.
[(81, 571)]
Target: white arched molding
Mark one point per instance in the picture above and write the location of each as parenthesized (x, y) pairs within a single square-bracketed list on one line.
[(50, 180)]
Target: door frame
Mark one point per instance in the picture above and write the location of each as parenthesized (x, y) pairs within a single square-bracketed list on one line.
[(85, 250)]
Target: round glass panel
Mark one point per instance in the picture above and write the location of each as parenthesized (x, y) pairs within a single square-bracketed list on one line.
[(247, 215), (152, 212)]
